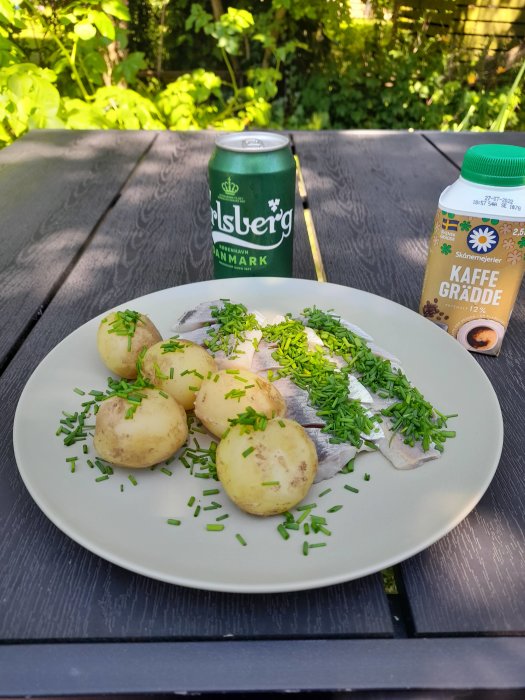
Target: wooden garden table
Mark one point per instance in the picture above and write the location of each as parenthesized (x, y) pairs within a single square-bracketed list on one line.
[(93, 219)]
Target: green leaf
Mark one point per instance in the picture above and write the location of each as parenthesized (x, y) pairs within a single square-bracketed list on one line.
[(198, 18), (7, 10), (128, 68), (104, 25), (85, 30), (116, 9)]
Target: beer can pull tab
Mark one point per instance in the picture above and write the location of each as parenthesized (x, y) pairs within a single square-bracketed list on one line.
[(252, 143)]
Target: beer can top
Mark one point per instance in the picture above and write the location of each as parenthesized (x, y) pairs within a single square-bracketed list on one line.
[(252, 141)]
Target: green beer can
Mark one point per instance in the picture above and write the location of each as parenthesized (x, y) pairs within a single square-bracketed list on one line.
[(252, 193)]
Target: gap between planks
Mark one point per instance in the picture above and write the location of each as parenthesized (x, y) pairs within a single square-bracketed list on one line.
[(308, 220)]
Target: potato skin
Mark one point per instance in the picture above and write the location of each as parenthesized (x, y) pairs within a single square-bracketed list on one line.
[(183, 362), (282, 452), (113, 349), (214, 410), (156, 431)]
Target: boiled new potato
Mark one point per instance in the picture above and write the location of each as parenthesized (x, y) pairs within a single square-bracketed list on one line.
[(178, 367), (155, 432), (228, 393), (121, 337), (268, 471)]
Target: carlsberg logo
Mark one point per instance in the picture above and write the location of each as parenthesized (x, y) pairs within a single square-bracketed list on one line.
[(271, 230)]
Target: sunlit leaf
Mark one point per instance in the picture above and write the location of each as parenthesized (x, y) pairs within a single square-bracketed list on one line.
[(85, 30), (7, 10), (116, 9), (104, 25)]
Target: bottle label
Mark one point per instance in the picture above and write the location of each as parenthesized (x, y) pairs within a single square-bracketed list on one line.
[(474, 271)]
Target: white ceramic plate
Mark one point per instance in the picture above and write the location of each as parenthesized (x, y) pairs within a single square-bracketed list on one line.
[(395, 514)]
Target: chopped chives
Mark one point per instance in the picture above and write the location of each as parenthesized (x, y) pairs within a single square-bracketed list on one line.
[(334, 509), (323, 493), (304, 515), (349, 467), (214, 528), (366, 477), (270, 483), (241, 539), (191, 501), (351, 488), (282, 531), (166, 471), (316, 544), (196, 511), (171, 372), (307, 506), (104, 477), (132, 479), (248, 451), (79, 391), (85, 449), (173, 521), (305, 548), (210, 492), (222, 517)]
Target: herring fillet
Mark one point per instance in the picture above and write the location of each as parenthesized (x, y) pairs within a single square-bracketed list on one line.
[(403, 456), (298, 407), (332, 457), (197, 317), (257, 355)]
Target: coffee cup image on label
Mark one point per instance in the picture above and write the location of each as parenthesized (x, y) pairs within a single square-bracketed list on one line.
[(481, 335)]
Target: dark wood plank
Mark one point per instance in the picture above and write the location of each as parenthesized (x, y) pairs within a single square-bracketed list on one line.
[(54, 187), (154, 237), (415, 669), (374, 197), (483, 560), (453, 146)]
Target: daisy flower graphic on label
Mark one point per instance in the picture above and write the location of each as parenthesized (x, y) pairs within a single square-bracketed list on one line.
[(482, 239)]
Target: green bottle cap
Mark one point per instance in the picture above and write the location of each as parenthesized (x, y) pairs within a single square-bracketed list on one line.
[(495, 164)]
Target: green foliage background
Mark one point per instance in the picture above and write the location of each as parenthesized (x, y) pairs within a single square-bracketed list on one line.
[(156, 64)]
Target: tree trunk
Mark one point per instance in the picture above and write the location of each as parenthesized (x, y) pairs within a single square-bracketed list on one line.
[(279, 18)]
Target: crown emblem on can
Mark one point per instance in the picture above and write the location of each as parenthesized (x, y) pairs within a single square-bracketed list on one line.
[(229, 187)]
